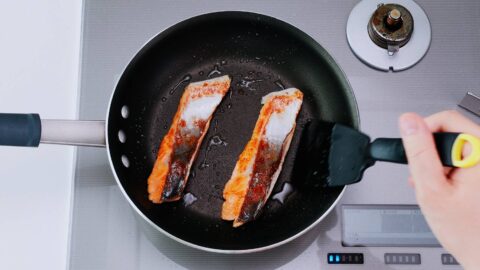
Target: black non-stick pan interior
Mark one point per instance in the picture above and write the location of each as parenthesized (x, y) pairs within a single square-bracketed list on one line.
[(261, 54)]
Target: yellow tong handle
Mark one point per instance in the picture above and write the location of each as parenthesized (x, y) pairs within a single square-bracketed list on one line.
[(470, 160)]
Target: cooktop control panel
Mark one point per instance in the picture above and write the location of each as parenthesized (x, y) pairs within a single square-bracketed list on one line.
[(392, 235)]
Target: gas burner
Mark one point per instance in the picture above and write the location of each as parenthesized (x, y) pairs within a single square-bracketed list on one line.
[(383, 35), (390, 27)]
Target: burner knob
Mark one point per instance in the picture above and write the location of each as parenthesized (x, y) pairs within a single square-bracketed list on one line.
[(390, 27), (394, 19)]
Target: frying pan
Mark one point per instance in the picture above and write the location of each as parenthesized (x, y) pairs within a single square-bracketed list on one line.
[(261, 54)]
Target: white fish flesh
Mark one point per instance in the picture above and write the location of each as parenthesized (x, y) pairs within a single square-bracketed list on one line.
[(260, 163), (179, 147)]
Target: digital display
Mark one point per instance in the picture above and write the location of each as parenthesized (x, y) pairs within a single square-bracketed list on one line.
[(345, 258), (385, 226)]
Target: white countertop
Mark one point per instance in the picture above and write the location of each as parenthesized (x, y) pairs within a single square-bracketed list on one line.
[(39, 52)]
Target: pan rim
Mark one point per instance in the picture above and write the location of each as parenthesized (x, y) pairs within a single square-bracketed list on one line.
[(317, 47)]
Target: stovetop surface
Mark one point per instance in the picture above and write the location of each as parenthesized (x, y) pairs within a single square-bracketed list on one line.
[(105, 231)]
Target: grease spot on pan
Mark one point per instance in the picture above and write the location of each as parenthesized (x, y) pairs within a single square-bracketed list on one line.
[(214, 71), (188, 199), (247, 83), (185, 79), (216, 141), (279, 84), (281, 196)]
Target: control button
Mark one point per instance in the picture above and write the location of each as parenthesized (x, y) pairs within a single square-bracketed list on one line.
[(402, 258), (345, 258), (448, 259)]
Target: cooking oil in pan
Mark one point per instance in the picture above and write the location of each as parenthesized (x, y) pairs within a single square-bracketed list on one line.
[(189, 199), (204, 164), (229, 105), (280, 84), (214, 71), (247, 83), (215, 125), (281, 196), (185, 79), (215, 140)]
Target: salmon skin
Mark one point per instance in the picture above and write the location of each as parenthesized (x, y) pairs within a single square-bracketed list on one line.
[(260, 163), (179, 147)]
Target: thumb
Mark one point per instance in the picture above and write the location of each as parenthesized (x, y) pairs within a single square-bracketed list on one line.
[(423, 160)]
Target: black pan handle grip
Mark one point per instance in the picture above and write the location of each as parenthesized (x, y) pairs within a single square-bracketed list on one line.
[(391, 150), (20, 129)]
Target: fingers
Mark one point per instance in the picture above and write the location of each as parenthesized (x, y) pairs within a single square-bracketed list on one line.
[(410, 182), (452, 121), (461, 176), (423, 161)]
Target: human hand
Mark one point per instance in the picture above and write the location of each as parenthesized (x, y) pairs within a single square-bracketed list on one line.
[(448, 197)]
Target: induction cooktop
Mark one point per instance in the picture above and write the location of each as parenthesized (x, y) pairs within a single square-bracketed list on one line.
[(376, 225)]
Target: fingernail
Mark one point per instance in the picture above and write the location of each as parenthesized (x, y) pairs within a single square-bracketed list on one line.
[(408, 126)]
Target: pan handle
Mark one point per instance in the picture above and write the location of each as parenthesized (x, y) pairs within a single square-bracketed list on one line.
[(30, 130)]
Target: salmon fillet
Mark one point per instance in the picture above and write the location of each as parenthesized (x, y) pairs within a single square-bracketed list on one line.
[(179, 147), (260, 163)]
